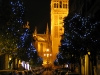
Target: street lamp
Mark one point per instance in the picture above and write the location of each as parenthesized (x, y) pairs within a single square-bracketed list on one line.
[(89, 53), (48, 55)]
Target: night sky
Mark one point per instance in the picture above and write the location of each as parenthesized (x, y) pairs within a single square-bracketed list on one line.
[(38, 14)]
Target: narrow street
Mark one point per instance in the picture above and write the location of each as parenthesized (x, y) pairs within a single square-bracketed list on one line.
[(47, 73)]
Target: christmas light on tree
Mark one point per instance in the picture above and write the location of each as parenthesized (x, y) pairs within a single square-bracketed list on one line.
[(80, 34)]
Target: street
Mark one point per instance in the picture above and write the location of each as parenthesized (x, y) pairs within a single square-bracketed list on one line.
[(47, 73)]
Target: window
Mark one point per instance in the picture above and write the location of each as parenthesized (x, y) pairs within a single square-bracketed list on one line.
[(54, 5), (60, 4), (61, 31), (64, 4), (57, 5)]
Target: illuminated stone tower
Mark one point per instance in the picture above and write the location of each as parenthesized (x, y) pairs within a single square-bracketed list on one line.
[(49, 42), (59, 10)]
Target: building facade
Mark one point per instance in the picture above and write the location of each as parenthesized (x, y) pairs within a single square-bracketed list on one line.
[(48, 43)]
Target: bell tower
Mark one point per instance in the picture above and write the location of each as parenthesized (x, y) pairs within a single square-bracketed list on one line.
[(59, 10)]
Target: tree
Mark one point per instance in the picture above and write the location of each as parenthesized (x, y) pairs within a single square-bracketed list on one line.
[(8, 44), (84, 33), (25, 46), (26, 50), (11, 23), (56, 63), (5, 8), (80, 37), (36, 61)]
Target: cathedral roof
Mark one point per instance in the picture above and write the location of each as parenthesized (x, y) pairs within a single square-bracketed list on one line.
[(41, 37)]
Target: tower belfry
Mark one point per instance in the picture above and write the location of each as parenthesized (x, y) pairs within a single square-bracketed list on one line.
[(59, 10), (35, 31)]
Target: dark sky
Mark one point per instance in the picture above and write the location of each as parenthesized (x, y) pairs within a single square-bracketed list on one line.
[(38, 13)]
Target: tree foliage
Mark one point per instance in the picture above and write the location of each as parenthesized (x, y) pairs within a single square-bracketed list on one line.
[(26, 50), (80, 36), (11, 21)]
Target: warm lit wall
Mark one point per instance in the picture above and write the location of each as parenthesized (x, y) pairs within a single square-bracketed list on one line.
[(59, 10)]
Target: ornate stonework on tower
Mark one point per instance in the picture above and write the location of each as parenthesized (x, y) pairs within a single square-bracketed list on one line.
[(51, 39), (59, 10)]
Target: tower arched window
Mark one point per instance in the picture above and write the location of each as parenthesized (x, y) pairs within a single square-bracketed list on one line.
[(64, 4), (54, 5), (57, 5), (60, 4)]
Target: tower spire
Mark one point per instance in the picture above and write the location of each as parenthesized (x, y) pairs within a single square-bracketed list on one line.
[(26, 25), (35, 31), (47, 29)]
